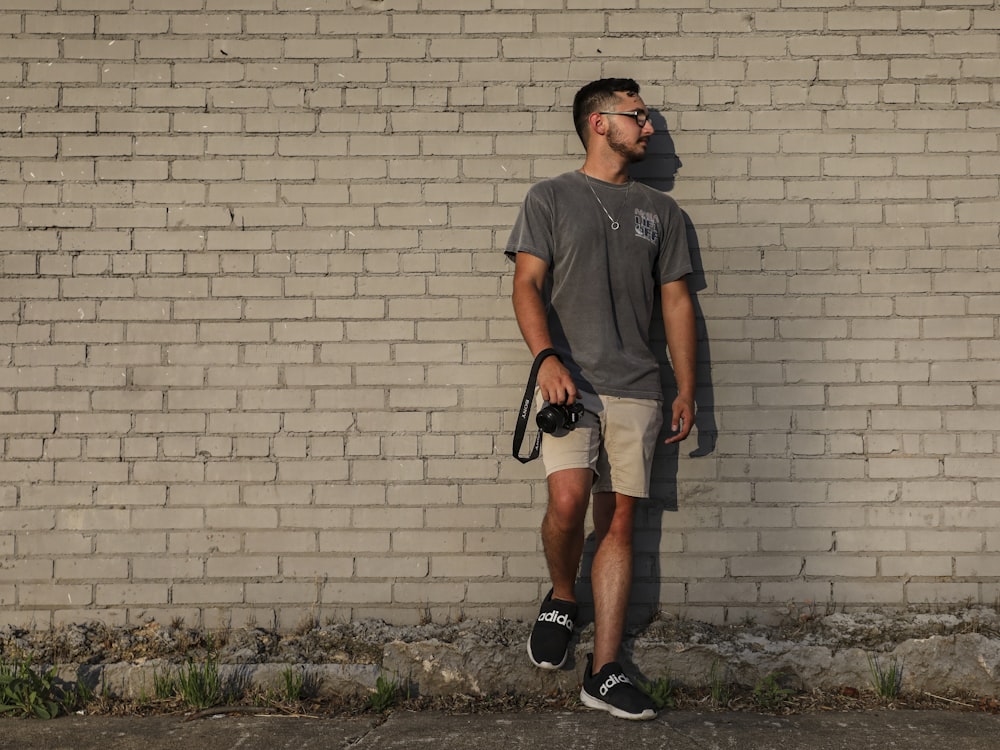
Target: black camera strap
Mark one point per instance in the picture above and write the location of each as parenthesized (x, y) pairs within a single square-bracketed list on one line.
[(522, 415)]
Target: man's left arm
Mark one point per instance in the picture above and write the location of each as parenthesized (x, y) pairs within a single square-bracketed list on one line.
[(682, 343)]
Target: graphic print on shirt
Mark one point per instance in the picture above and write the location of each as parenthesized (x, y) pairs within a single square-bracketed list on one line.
[(647, 226)]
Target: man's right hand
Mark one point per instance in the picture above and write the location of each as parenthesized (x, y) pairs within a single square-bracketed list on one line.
[(555, 383)]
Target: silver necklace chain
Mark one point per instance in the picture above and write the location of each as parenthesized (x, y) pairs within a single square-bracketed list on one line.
[(614, 222)]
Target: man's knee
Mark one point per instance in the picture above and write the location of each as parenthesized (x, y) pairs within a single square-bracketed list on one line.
[(569, 497), (566, 512)]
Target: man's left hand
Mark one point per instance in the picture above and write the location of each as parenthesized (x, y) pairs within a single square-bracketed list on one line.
[(682, 419)]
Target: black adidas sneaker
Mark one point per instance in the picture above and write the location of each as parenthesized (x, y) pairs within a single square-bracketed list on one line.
[(548, 646), (611, 690)]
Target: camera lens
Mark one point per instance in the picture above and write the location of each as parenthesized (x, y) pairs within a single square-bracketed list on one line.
[(550, 419)]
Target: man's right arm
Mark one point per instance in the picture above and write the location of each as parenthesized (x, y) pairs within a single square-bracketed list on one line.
[(554, 381)]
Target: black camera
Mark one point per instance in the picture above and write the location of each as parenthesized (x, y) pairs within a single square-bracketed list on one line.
[(559, 417)]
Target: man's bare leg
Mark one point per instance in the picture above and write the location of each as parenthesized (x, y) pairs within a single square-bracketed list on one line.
[(563, 528), (611, 577)]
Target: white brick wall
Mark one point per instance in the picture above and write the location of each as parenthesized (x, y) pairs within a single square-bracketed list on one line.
[(257, 356)]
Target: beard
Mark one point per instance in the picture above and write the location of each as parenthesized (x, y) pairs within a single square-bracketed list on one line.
[(631, 150)]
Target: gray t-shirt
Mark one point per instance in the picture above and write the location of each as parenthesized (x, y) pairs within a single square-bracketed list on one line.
[(601, 286)]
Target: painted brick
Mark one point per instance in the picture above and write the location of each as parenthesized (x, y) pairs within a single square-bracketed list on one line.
[(297, 241), (807, 593), (32, 595)]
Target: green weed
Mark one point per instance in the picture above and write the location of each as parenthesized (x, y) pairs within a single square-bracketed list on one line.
[(164, 685), (199, 684), (886, 679), (82, 694), (718, 677), (769, 694), (387, 692), (660, 691), (28, 693), (293, 681)]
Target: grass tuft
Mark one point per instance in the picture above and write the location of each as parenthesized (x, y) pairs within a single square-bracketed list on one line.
[(660, 691), (293, 681), (199, 684), (886, 679), (386, 694), (719, 686)]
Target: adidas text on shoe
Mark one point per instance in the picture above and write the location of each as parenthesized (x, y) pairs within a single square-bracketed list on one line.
[(559, 619), (611, 690), (548, 645)]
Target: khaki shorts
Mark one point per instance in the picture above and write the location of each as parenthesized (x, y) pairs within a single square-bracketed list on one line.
[(615, 439)]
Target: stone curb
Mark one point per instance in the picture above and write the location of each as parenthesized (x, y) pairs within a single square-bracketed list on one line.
[(965, 664)]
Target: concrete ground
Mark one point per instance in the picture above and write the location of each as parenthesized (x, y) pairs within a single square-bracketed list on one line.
[(677, 730)]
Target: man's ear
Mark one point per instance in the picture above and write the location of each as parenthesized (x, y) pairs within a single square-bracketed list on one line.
[(597, 123)]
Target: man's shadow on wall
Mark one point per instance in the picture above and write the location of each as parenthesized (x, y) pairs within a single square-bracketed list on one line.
[(659, 171)]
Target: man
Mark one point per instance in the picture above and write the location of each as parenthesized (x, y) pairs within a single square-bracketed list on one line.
[(591, 248)]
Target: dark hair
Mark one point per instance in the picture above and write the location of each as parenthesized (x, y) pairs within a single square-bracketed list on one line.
[(598, 95)]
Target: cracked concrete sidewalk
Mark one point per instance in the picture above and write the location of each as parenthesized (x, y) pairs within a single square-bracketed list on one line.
[(678, 730)]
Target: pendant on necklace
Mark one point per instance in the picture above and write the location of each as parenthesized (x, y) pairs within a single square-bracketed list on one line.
[(614, 222)]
